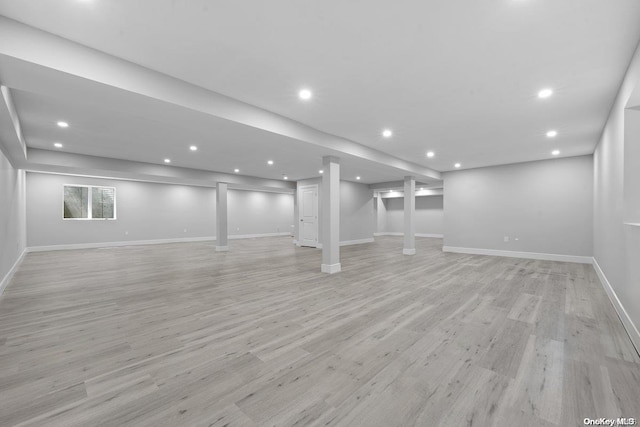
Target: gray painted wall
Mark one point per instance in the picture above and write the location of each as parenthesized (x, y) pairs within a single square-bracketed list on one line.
[(546, 204), (357, 220), (616, 247), (256, 212), (12, 208), (149, 211), (429, 215), (356, 211)]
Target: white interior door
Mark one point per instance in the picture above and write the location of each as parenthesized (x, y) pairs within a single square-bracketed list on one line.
[(308, 211)]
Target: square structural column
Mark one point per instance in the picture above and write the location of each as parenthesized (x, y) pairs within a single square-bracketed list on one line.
[(409, 216), (330, 215), (221, 217)]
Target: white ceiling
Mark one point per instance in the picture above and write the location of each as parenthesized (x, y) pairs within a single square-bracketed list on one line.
[(150, 137), (456, 77)]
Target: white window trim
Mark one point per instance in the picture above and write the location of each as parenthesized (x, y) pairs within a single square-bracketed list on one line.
[(89, 203)]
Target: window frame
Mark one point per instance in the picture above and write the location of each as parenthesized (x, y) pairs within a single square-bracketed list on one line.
[(90, 203)]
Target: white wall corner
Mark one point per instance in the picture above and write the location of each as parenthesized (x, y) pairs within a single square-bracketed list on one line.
[(514, 254), (628, 324), (7, 277)]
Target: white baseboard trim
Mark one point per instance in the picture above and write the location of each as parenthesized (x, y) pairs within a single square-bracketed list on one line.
[(389, 233), (628, 324), (253, 236), (514, 254), (222, 248), (146, 242), (406, 251), (117, 244), (330, 268), (351, 242), (7, 277), (356, 242)]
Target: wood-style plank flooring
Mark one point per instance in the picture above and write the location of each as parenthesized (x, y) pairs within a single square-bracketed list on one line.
[(179, 335)]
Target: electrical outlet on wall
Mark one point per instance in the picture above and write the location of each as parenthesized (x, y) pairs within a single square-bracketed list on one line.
[(506, 238), (516, 239), (126, 233), (185, 230), (237, 228)]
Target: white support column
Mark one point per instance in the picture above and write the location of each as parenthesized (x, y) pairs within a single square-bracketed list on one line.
[(296, 218), (330, 215), (221, 217), (409, 216)]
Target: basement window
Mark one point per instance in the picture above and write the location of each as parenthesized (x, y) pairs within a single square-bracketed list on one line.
[(89, 202)]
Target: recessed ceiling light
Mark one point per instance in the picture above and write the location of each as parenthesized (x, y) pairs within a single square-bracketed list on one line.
[(320, 171), (63, 124), (305, 94), (167, 160), (457, 165), (236, 170), (269, 162), (555, 152), (422, 189), (552, 134), (545, 93), (193, 148), (285, 177), (57, 145), (387, 133), (430, 154), (358, 178)]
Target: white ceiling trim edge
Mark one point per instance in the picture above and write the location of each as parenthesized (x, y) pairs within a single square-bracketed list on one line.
[(12, 144), (45, 161)]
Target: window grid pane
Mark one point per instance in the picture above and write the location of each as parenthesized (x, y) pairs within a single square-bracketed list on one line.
[(79, 204), (76, 202)]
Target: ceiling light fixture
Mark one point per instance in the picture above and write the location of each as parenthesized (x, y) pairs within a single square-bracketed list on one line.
[(57, 145), (555, 152), (457, 165), (236, 170), (63, 124), (552, 134), (430, 154), (422, 189), (269, 162), (545, 93), (387, 133), (285, 177), (305, 94), (193, 148), (320, 171), (167, 160), (358, 178)]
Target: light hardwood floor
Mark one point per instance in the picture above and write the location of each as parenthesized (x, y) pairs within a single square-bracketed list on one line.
[(180, 335)]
